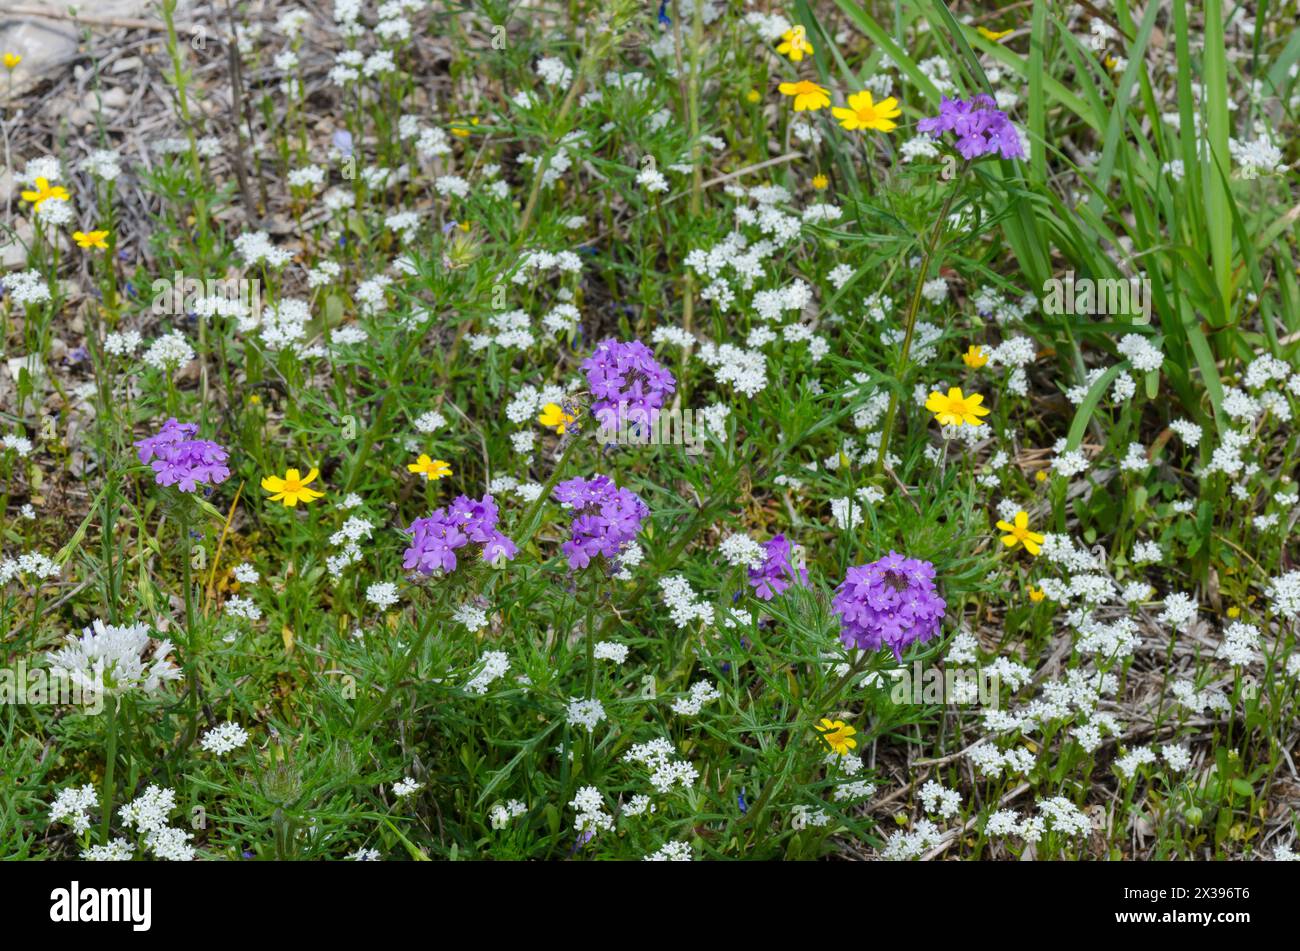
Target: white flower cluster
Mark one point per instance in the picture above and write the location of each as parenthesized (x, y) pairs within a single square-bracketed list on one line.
[(1283, 594), (255, 247), (939, 800), (472, 616), (684, 604), (990, 761), (1133, 760), (1240, 644), (587, 713), (666, 771), (501, 814), (72, 807), (902, 846), (169, 352), (30, 563), (1200, 701), (148, 813), (405, 787), (494, 667), (610, 650), (590, 807), (224, 738), (671, 852), (741, 550), (701, 692), (111, 658), (348, 540), (1062, 815)]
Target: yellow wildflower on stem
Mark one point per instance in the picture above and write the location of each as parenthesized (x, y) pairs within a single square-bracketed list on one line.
[(864, 113), (808, 96), (292, 489), (12, 60), (956, 409), (975, 357), (838, 735), (431, 469), (91, 239), (1019, 534)]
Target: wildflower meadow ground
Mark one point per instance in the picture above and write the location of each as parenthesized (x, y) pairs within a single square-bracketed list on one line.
[(708, 429)]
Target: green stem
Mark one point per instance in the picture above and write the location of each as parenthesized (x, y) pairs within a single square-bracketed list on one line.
[(910, 328), (110, 712), (191, 652)]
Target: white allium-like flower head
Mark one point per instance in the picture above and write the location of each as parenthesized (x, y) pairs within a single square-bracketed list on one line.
[(112, 659)]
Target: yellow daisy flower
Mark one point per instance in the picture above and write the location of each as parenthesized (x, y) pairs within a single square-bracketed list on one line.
[(431, 469), (956, 409), (794, 44), (975, 357), (837, 734), (91, 239), (292, 489), (864, 113), (12, 60), (44, 192), (1019, 534), (808, 96)]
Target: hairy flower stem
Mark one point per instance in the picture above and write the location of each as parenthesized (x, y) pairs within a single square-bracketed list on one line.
[(531, 520), (690, 94), (539, 171), (191, 648), (110, 765), (417, 648), (614, 18), (111, 591), (591, 639), (181, 81), (910, 327)]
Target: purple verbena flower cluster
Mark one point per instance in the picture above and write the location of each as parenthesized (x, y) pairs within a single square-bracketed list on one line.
[(605, 518), (980, 126), (889, 603), (777, 571), (466, 521), (627, 383), (181, 460)]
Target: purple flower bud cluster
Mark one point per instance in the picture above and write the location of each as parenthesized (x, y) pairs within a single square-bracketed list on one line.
[(627, 383), (466, 521), (980, 126), (889, 603), (179, 459), (605, 518), (776, 572)]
